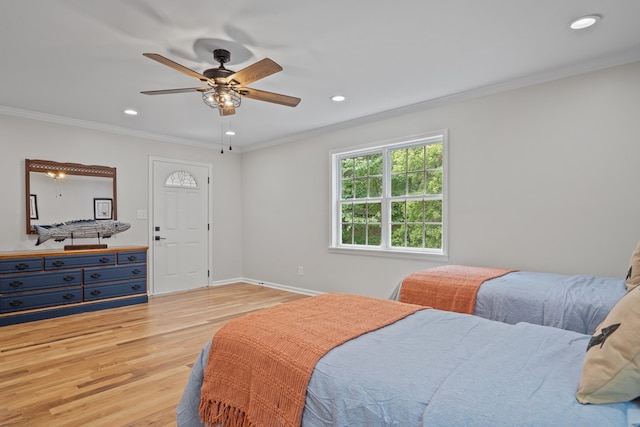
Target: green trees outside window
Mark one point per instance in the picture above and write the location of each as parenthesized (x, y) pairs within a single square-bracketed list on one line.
[(392, 197)]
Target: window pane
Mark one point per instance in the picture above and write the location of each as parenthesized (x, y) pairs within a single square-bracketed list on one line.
[(433, 235), (434, 156), (375, 164), (361, 165), (433, 211), (347, 212), (415, 181), (434, 182), (347, 168), (416, 158), (397, 212), (361, 188), (375, 186), (360, 212), (399, 160), (397, 235), (414, 211), (347, 238), (414, 235), (398, 185), (347, 189), (375, 234), (374, 213), (359, 234)]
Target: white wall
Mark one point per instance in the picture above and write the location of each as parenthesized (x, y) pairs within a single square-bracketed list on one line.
[(22, 138), (542, 178)]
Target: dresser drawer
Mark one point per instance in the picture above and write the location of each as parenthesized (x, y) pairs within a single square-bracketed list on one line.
[(20, 264), (25, 282), (132, 257), (126, 272), (28, 300), (60, 262), (95, 292)]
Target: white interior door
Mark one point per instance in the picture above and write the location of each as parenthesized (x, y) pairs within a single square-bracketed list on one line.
[(180, 221)]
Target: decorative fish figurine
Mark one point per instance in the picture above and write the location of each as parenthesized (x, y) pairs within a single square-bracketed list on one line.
[(82, 228)]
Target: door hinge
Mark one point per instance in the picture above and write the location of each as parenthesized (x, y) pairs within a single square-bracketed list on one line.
[(208, 273)]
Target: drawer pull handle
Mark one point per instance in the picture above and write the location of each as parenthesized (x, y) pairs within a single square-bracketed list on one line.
[(132, 258), (16, 303), (15, 284), (136, 271), (22, 266), (96, 292), (136, 287), (57, 263), (68, 278), (104, 260), (96, 275), (68, 296)]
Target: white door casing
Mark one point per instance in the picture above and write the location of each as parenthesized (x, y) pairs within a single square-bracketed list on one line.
[(180, 218)]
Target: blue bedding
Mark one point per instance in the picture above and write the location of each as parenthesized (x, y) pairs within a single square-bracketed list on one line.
[(574, 302), (441, 368)]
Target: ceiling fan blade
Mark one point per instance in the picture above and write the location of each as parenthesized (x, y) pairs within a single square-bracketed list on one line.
[(262, 95), (165, 91), (261, 69), (227, 111), (169, 63)]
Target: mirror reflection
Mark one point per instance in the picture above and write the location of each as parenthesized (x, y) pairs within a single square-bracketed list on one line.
[(57, 192)]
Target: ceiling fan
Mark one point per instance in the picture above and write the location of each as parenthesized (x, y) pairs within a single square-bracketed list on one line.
[(226, 87)]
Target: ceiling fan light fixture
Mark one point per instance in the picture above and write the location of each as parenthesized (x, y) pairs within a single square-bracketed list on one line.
[(584, 22), (218, 98)]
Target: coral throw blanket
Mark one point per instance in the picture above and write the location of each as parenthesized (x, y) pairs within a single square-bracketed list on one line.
[(449, 287), (260, 364)]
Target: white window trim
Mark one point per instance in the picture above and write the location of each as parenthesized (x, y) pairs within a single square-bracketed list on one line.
[(389, 252)]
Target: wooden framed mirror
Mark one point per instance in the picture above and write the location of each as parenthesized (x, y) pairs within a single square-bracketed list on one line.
[(58, 192)]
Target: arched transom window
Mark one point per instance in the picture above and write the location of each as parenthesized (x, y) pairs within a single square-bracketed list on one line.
[(181, 179)]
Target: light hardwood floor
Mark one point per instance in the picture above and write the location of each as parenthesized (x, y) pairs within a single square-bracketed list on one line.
[(120, 367)]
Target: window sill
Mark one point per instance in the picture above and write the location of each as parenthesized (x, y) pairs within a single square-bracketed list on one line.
[(389, 253)]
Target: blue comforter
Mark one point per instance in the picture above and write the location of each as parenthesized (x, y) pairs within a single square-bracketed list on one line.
[(577, 303), (440, 368)]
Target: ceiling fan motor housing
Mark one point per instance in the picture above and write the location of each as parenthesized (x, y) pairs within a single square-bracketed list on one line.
[(222, 56)]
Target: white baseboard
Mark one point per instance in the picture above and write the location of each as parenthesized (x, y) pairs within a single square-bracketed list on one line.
[(266, 284)]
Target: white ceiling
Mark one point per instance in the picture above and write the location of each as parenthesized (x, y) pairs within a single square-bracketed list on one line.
[(80, 61)]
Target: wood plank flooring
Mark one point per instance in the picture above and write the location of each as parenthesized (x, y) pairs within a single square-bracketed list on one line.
[(120, 367)]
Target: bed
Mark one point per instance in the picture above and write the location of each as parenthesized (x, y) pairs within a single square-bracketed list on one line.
[(577, 303), (425, 367)]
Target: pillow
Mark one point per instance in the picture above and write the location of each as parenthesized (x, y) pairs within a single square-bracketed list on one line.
[(633, 277), (611, 369)]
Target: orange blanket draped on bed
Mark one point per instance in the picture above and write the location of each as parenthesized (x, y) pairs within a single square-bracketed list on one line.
[(259, 365), (449, 287)]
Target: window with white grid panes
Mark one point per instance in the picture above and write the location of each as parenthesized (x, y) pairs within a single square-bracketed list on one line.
[(391, 197)]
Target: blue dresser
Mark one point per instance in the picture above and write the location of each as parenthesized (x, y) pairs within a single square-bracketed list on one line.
[(44, 284)]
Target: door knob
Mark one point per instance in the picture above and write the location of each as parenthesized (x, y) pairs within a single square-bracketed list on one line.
[(160, 238)]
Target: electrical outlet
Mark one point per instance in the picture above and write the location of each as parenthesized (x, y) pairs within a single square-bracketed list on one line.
[(300, 271)]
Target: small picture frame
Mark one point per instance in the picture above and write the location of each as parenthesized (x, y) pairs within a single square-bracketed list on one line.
[(102, 208), (33, 206)]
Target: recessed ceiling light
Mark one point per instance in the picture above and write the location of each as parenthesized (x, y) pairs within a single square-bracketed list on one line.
[(338, 98), (131, 112), (230, 133), (584, 22)]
